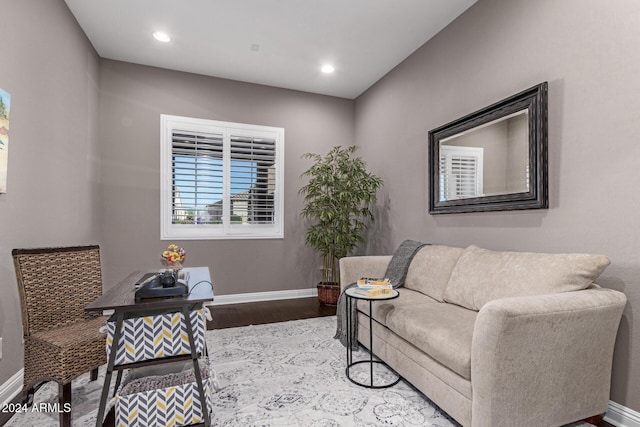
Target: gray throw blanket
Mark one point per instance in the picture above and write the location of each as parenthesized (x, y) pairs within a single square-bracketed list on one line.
[(396, 273)]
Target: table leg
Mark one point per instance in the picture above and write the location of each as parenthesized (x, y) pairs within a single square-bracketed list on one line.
[(118, 381), (196, 366), (110, 365), (349, 343), (371, 341)]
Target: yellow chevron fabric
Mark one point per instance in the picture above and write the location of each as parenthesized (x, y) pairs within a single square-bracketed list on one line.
[(173, 406), (152, 337)]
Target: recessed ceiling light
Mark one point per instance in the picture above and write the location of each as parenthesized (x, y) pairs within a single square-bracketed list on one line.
[(327, 69), (162, 37)]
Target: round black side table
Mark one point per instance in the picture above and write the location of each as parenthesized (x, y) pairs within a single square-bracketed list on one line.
[(351, 296)]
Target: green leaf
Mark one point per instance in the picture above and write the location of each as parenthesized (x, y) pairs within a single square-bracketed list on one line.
[(337, 200)]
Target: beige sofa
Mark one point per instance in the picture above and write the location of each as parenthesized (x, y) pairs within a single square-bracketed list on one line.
[(498, 338)]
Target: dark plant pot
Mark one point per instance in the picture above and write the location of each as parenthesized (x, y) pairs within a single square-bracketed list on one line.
[(328, 293)]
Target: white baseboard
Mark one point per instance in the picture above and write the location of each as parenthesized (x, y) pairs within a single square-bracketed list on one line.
[(264, 296), (10, 389), (621, 416)]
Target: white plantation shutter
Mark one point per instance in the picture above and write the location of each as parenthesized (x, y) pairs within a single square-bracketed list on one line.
[(221, 179), (197, 176), (252, 159), (460, 172)]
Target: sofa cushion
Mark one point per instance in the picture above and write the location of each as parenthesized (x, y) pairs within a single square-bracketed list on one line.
[(482, 275), (443, 331), (430, 270), (382, 308)]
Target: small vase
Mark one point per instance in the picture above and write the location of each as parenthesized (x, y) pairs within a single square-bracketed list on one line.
[(175, 266)]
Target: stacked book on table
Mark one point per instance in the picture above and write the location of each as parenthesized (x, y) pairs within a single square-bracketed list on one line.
[(373, 287)]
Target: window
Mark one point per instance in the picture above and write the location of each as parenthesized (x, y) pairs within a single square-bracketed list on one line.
[(220, 180), (460, 172)]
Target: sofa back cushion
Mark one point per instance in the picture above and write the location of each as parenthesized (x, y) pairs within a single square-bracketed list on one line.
[(431, 268), (482, 275)]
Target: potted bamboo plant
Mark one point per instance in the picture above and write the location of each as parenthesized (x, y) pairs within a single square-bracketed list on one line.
[(337, 199)]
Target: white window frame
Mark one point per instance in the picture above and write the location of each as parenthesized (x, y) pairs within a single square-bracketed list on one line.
[(226, 230), (447, 154)]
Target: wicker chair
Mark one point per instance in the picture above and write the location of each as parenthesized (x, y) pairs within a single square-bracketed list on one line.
[(61, 340)]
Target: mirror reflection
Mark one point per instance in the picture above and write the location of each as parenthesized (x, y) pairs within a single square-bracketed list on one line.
[(487, 160), (494, 159)]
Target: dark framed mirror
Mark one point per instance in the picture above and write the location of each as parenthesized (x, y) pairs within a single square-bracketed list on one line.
[(494, 159)]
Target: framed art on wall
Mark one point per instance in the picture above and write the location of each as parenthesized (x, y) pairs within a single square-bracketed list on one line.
[(5, 106)]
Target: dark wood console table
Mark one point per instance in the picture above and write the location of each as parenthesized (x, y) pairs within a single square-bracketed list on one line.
[(121, 299)]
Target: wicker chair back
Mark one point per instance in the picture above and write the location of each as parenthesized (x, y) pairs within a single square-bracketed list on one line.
[(56, 284)]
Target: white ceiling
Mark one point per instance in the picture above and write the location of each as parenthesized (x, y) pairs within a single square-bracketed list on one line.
[(280, 43)]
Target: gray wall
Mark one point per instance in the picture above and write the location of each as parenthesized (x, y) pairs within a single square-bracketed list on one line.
[(132, 97), (588, 52), (586, 49), (53, 194)]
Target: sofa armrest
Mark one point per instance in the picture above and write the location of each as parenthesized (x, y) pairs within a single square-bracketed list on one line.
[(544, 360), (356, 267)]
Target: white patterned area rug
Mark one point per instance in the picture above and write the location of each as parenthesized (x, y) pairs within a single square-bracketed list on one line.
[(293, 374), (282, 375)]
